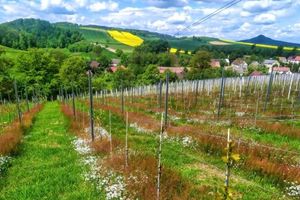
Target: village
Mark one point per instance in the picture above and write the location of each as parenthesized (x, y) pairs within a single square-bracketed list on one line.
[(279, 65)]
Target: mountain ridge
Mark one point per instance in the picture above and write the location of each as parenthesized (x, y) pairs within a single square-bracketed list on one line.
[(262, 39)]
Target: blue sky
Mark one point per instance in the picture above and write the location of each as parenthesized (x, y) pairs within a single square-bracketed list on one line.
[(279, 19)]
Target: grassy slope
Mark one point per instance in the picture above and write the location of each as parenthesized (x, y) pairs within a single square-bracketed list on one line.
[(12, 53), (48, 167)]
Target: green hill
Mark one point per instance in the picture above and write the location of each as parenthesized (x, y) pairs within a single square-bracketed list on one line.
[(28, 33)]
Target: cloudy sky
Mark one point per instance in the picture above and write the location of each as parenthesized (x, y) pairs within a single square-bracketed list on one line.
[(279, 19)]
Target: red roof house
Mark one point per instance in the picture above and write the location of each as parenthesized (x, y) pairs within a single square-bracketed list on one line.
[(214, 63), (256, 73), (113, 69), (282, 70), (179, 71)]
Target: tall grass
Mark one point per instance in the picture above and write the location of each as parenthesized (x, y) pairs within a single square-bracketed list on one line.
[(12, 134)]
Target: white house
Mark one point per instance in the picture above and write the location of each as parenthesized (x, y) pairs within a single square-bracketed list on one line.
[(239, 66), (294, 59), (270, 64)]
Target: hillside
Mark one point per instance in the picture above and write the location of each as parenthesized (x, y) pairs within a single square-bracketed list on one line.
[(28, 33), (261, 39)]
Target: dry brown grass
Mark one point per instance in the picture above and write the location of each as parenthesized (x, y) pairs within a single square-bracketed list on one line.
[(12, 134), (144, 170)]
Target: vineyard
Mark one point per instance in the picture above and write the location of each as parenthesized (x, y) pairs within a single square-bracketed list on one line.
[(179, 140)]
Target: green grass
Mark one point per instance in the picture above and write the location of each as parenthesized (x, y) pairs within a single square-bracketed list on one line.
[(48, 167), (12, 53)]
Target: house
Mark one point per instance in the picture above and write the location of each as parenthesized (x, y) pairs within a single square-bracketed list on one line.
[(113, 69), (94, 64), (256, 73), (271, 63), (179, 71), (282, 70), (239, 66), (282, 59), (294, 59), (255, 64), (214, 63), (115, 62)]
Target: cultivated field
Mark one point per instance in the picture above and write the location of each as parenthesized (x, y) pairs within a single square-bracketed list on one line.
[(126, 38)]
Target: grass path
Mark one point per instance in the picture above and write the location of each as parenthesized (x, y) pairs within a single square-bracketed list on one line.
[(48, 167)]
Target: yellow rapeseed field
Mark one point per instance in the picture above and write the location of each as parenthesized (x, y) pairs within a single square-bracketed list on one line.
[(174, 50), (126, 38)]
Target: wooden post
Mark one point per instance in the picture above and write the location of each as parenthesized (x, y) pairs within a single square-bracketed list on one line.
[(126, 142), (26, 96), (290, 88), (159, 157), (221, 93), (17, 102), (196, 97), (91, 106), (269, 90), (110, 134), (73, 102), (160, 93), (256, 110), (122, 98), (166, 101), (228, 163)]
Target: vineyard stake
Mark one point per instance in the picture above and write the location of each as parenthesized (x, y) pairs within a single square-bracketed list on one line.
[(159, 157), (290, 88), (269, 90), (196, 94), (91, 105), (221, 94), (122, 97), (166, 100), (73, 102), (26, 96), (110, 139), (17, 102), (126, 142), (228, 164), (160, 93)]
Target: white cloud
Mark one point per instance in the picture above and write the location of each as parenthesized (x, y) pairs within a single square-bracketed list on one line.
[(179, 18), (99, 6), (266, 18), (167, 3)]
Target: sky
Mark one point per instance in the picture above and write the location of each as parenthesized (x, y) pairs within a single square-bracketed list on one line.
[(278, 19)]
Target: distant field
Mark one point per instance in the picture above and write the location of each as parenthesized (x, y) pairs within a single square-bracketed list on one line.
[(258, 45), (126, 38), (218, 43), (101, 36), (189, 43)]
